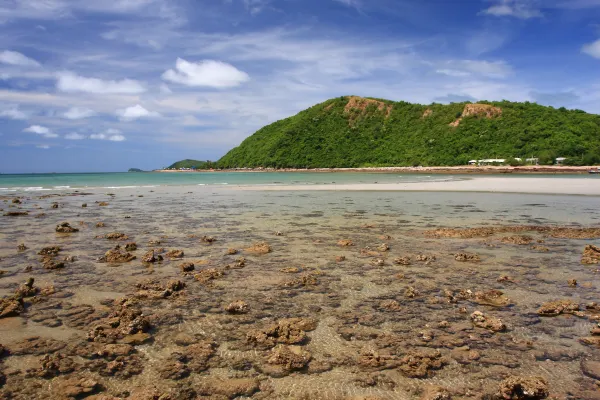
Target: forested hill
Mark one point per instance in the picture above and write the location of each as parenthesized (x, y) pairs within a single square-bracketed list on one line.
[(359, 132)]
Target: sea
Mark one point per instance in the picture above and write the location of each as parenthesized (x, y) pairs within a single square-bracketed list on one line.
[(114, 180)]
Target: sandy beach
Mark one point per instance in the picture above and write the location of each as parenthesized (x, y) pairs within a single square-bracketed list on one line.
[(537, 185), (463, 169)]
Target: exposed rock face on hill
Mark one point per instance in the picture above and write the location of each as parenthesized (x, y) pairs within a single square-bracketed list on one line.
[(357, 108), (478, 110)]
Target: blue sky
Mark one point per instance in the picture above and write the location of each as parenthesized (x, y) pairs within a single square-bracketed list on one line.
[(108, 85)]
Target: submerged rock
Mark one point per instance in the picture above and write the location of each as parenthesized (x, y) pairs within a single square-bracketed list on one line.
[(523, 388), (16, 213), (557, 307), (425, 257), (490, 323), (467, 257), (207, 275), (208, 239), (11, 306), (345, 243), (49, 251), (259, 248), (383, 247), (237, 307), (116, 236), (286, 331), (591, 255), (517, 239), (116, 255), (420, 363), (289, 358), (390, 305), (174, 254), (151, 257), (73, 387), (65, 227), (402, 261), (187, 267), (495, 298)]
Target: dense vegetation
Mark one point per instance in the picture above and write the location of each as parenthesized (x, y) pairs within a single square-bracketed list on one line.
[(135, 170), (344, 132), (191, 164)]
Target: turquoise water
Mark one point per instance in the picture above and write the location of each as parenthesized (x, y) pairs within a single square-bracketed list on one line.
[(36, 182)]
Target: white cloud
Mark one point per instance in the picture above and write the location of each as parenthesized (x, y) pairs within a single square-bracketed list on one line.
[(43, 146), (111, 134), (72, 83), (41, 130), (78, 113), (55, 9), (135, 112), (74, 136), (12, 111), (209, 73), (15, 58), (523, 9), (465, 68), (165, 89), (453, 72), (592, 49)]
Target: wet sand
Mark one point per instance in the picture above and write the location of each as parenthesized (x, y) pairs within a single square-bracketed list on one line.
[(569, 186), (272, 295)]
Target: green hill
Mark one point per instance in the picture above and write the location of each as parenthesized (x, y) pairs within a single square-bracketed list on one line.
[(357, 132), (196, 164)]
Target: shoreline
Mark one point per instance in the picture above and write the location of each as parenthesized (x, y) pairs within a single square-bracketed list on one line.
[(528, 169), (548, 186)]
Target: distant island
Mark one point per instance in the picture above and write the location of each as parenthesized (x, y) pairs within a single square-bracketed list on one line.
[(135, 170), (356, 132)]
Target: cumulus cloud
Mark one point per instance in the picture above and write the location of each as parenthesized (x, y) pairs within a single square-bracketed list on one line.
[(113, 135), (72, 83), (74, 136), (41, 130), (78, 113), (522, 9), (208, 73), (135, 112), (12, 111), (15, 58), (592, 49)]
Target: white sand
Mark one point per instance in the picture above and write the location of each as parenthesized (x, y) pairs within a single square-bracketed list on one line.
[(570, 186)]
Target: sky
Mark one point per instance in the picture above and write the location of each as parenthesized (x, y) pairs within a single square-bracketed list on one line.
[(101, 86)]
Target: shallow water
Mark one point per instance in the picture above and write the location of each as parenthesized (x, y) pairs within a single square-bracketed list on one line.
[(371, 313), (17, 183)]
